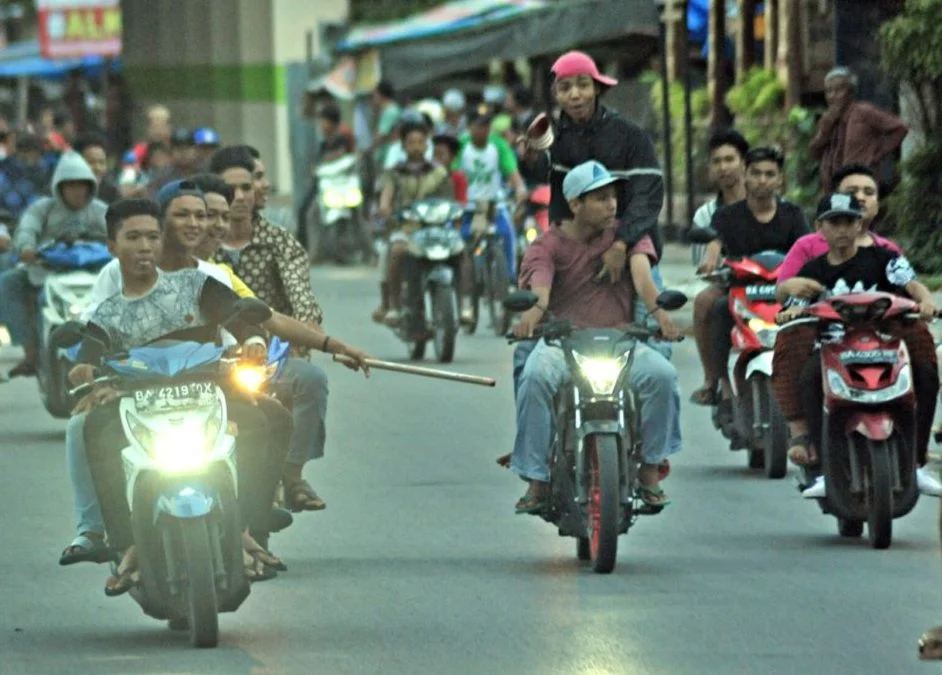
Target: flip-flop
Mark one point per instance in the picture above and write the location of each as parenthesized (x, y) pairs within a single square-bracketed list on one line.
[(652, 497), (300, 496), (126, 580), (252, 572), (705, 396), (90, 549), (530, 504)]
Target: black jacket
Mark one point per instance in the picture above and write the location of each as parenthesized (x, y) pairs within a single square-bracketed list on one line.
[(625, 149)]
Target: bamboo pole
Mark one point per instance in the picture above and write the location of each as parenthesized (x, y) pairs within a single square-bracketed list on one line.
[(421, 371)]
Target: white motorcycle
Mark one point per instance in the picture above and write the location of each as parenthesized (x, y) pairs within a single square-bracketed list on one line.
[(181, 472), (340, 232), (70, 273)]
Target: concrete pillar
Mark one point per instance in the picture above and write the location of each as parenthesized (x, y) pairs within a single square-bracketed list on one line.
[(221, 63)]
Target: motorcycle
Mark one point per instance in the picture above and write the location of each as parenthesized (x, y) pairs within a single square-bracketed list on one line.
[(868, 453), (339, 200), (491, 278), (430, 295), (596, 454), (181, 469), (72, 268), (758, 425)]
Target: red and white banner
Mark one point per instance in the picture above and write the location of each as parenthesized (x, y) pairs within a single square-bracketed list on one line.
[(75, 28)]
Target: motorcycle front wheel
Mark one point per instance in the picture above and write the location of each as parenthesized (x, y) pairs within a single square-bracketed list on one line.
[(604, 500), (880, 511), (203, 616), (444, 322)]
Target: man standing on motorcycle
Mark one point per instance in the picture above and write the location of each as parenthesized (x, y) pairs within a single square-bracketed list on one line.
[(728, 174), (175, 305), (848, 267), (761, 222), (70, 213), (411, 180), (561, 269)]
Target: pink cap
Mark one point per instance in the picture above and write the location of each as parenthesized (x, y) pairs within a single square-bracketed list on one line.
[(574, 63)]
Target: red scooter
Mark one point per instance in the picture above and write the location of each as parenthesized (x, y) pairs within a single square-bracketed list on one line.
[(757, 425), (868, 453)]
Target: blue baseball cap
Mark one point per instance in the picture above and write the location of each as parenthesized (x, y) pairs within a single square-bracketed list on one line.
[(206, 136), (587, 177), (178, 188)]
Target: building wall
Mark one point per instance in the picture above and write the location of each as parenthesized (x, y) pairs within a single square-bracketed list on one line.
[(221, 63)]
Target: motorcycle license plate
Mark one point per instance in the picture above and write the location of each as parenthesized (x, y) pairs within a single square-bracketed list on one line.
[(761, 292), (174, 397)]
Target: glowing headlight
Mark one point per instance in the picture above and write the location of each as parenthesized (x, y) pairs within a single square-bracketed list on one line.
[(437, 252), (250, 378), (766, 332), (339, 199), (182, 449), (601, 373), (532, 234), (352, 198)]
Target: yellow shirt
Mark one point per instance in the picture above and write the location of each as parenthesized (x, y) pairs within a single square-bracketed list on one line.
[(238, 285)]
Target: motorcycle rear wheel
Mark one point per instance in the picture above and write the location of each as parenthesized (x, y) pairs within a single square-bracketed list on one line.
[(604, 501), (498, 282), (444, 322), (203, 615)]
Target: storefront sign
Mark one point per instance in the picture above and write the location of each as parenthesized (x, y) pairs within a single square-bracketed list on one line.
[(75, 28)]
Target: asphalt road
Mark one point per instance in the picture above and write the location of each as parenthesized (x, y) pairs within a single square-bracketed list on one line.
[(419, 565)]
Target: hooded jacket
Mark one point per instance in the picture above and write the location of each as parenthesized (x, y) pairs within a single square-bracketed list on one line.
[(49, 218), (624, 149)]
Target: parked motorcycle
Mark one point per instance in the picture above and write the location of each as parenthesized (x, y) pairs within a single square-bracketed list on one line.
[(758, 425), (596, 455), (72, 268), (181, 469), (868, 453), (340, 229), (430, 293)]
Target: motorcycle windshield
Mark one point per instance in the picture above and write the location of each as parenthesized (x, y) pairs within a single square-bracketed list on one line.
[(599, 342), (81, 255), (168, 359)]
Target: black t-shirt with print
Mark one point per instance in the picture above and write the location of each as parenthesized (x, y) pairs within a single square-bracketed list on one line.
[(873, 268), (743, 235)]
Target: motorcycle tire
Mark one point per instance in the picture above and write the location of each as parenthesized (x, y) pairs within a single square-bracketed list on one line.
[(775, 443), (53, 383), (880, 512), (603, 478), (496, 288), (444, 322), (203, 615), (475, 299)]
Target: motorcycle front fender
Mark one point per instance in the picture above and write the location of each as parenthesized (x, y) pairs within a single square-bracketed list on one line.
[(440, 275), (761, 363), (874, 425), (185, 501)]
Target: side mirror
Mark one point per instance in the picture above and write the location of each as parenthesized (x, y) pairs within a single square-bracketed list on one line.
[(701, 235), (520, 301), (671, 300), (67, 335), (250, 310)]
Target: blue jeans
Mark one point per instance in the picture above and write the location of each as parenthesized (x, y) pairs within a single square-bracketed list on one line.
[(304, 385), (19, 307), (505, 230), (84, 498), (666, 349), (652, 378)]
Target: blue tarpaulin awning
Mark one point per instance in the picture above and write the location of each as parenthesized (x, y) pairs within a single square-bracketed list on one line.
[(24, 59)]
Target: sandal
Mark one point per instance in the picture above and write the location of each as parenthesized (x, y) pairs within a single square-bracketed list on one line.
[(23, 369), (124, 576), (930, 645), (801, 441), (300, 496), (87, 547), (261, 555), (256, 570), (530, 504), (651, 496), (504, 461), (706, 396)]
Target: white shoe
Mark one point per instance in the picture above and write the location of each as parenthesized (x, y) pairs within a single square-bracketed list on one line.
[(928, 482), (816, 491)]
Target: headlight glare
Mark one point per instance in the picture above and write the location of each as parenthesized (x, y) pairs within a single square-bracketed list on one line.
[(601, 373)]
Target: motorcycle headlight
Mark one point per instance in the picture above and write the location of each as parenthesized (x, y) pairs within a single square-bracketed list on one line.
[(251, 379), (352, 197), (437, 252), (531, 235), (766, 332), (334, 199), (181, 447), (64, 309), (601, 373)]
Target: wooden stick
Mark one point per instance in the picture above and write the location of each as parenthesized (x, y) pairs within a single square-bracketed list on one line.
[(423, 372)]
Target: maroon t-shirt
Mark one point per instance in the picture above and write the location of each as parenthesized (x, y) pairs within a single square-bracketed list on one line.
[(569, 268)]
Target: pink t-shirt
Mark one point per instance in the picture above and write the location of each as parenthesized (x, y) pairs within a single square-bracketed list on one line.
[(569, 267), (813, 246)]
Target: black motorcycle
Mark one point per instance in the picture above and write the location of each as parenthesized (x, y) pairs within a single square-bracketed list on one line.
[(430, 291), (596, 455)]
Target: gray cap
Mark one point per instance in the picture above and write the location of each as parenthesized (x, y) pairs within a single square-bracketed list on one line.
[(587, 177)]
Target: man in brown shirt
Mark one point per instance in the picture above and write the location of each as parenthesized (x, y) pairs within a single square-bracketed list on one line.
[(852, 131)]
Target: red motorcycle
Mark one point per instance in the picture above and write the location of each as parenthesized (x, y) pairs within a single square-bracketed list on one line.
[(868, 453), (532, 219), (757, 425)]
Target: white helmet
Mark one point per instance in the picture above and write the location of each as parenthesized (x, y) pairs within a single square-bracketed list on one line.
[(433, 109), (454, 100)]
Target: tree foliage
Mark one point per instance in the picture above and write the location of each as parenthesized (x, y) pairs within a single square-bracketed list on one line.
[(911, 55)]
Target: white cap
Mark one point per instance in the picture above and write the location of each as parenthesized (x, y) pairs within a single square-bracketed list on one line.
[(453, 100)]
